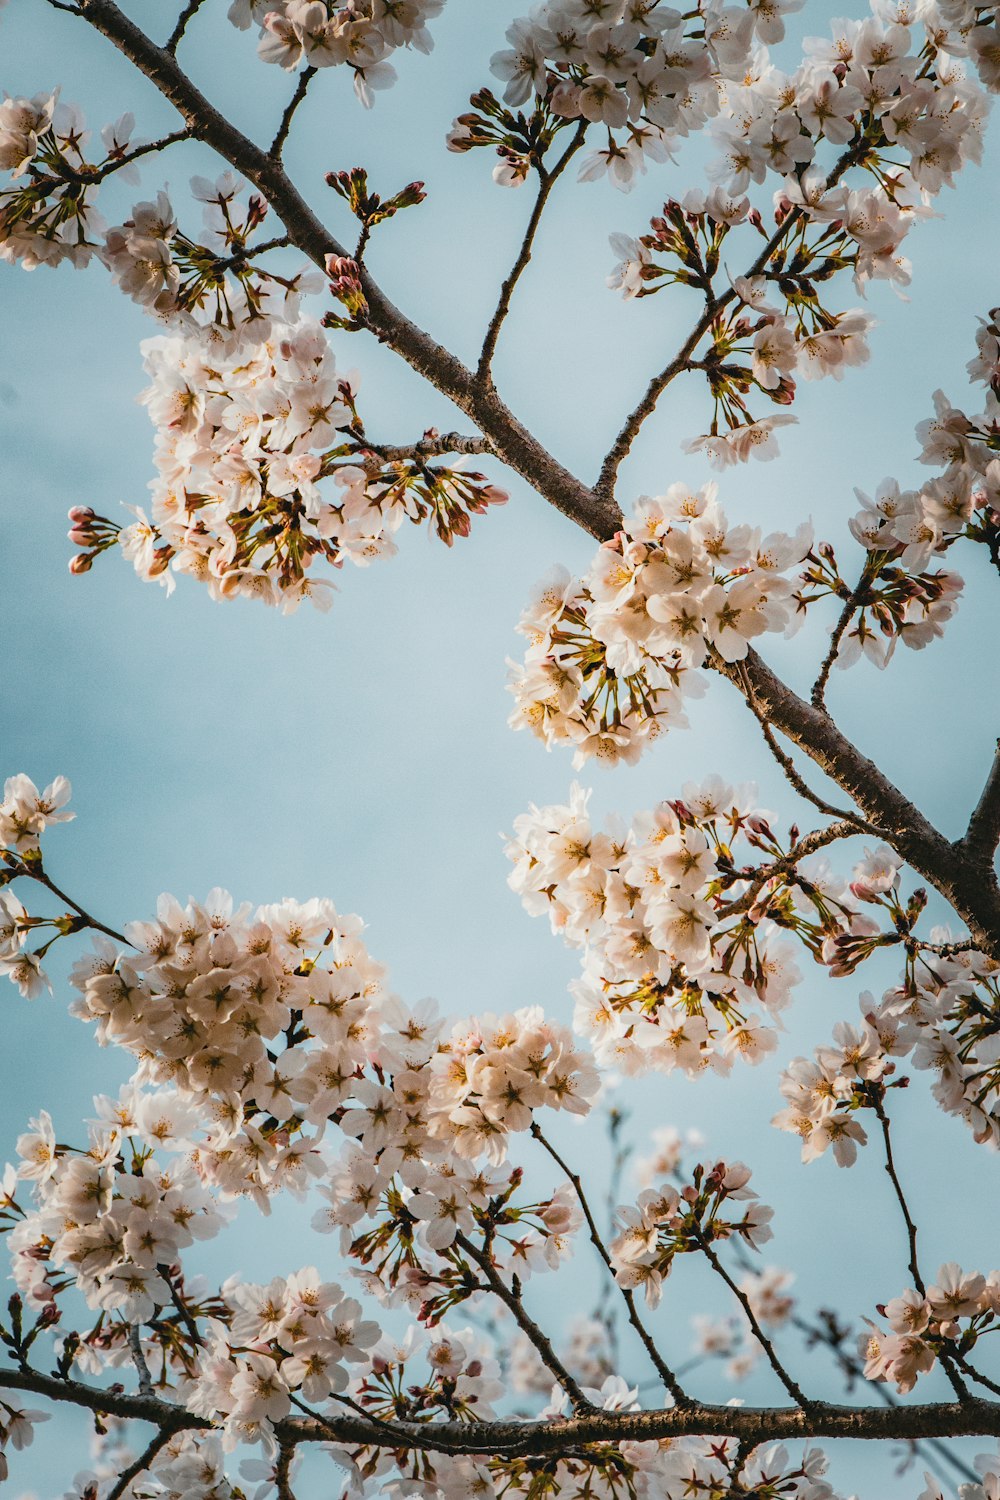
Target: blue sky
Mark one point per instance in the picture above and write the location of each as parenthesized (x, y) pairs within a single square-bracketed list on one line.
[(363, 754)]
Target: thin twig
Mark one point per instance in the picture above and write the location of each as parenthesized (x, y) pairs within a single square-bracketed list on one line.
[(948, 1364), (713, 306), (546, 182), (448, 442), (190, 10), (511, 1298), (819, 839), (393, 1434), (765, 1343), (305, 79), (666, 1374), (139, 1360), (140, 1465), (818, 695), (85, 917), (116, 164)]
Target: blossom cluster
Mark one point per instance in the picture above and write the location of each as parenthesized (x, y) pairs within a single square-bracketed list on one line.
[(611, 657), (648, 77), (47, 215), (636, 68), (669, 981), (946, 1318), (824, 1096), (296, 1336), (666, 1221), (248, 426), (216, 278), (111, 1218), (325, 34), (900, 596), (943, 1015)]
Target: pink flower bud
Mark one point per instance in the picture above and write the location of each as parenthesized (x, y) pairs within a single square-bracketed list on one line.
[(80, 514), (81, 563)]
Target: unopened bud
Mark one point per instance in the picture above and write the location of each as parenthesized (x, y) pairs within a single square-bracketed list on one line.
[(81, 563)]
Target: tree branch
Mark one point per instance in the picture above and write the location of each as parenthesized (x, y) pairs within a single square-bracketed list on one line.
[(664, 1371), (791, 1386), (973, 1418), (513, 444), (788, 765), (448, 442), (190, 10), (547, 181), (301, 88), (139, 1360), (955, 1380), (846, 828), (973, 893), (283, 1472), (818, 695), (511, 1299), (713, 306), (983, 833), (140, 1465), (30, 873)]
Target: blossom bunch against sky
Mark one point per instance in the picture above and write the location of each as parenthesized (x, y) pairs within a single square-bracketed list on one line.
[(361, 754)]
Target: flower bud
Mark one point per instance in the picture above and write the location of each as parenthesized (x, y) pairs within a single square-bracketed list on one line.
[(81, 563)]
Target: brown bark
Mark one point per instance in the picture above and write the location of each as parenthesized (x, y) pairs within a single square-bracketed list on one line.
[(970, 1418)]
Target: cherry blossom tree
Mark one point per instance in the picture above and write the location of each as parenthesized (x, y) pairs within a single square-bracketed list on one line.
[(270, 1055)]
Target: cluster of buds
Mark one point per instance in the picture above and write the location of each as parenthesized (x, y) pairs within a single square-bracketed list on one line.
[(520, 140), (94, 533), (345, 286), (891, 603), (367, 207)]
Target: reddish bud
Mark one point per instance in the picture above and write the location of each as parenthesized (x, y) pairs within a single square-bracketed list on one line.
[(81, 563)]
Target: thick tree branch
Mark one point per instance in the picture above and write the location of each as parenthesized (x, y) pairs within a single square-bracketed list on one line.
[(972, 1418), (973, 893), (983, 833), (512, 442)]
